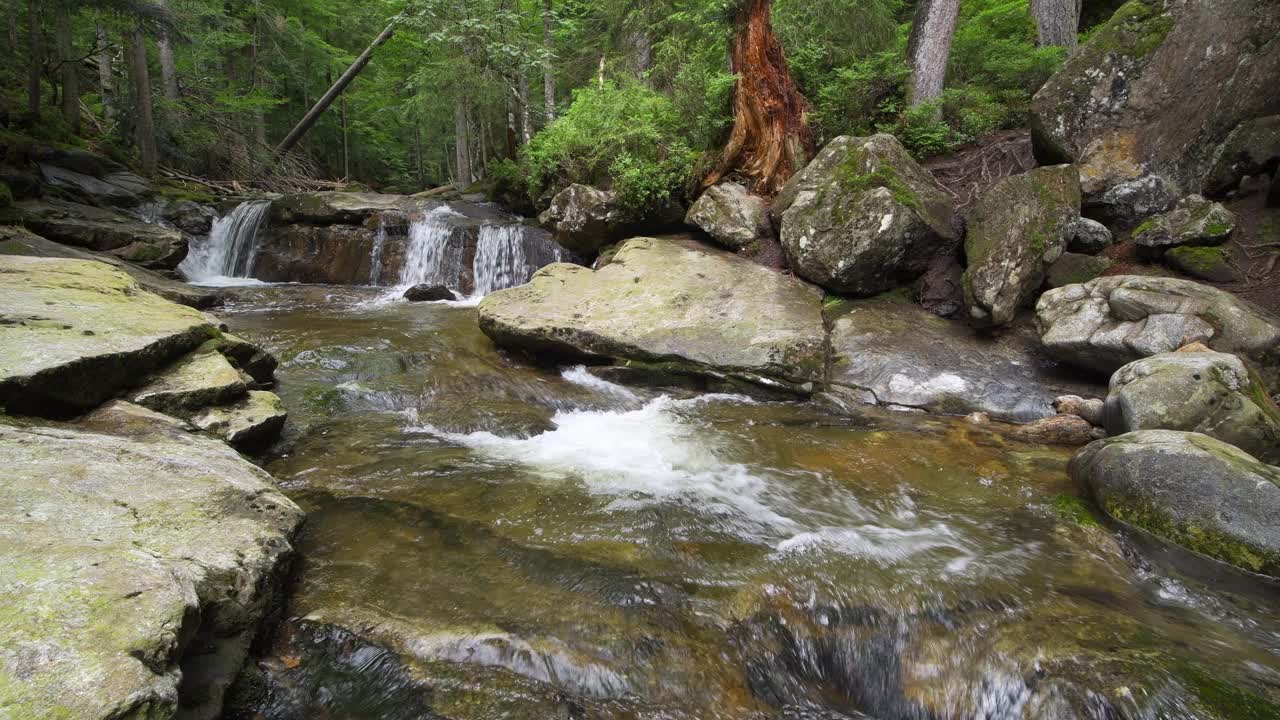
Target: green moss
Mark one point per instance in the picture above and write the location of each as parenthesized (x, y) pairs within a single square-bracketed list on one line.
[(1197, 538), (851, 179), (6, 196), (1146, 227), (1218, 228), (1202, 259), (145, 253), (1137, 29), (1221, 698), (1074, 509)]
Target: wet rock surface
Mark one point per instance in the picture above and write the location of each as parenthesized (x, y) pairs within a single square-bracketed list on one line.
[(136, 563), (428, 293), (104, 230), (731, 215)]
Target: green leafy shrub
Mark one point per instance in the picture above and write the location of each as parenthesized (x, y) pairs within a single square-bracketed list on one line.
[(6, 196), (628, 138)]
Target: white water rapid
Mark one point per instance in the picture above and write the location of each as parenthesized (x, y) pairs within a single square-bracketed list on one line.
[(226, 257)]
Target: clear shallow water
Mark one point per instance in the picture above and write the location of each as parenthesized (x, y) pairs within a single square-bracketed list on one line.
[(487, 539)]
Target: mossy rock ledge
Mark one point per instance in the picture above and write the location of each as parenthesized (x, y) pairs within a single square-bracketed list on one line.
[(1191, 490)]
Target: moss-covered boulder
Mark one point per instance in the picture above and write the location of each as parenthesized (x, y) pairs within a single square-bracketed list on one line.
[(1206, 263), (1189, 489), (1204, 392), (1112, 321), (137, 561), (74, 333), (669, 300), (731, 215), (1149, 100), (1020, 226), (863, 217), (1253, 148), (1075, 268), (1195, 221)]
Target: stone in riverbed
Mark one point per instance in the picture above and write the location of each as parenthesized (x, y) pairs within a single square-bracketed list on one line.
[(201, 379), (584, 219), (1203, 392), (669, 300), (248, 358), (1189, 489), (1195, 221), (104, 230), (864, 217), (333, 208), (1058, 430), (134, 556), (905, 356), (1091, 409), (731, 215), (1020, 226), (1112, 321), (74, 333), (428, 293), (248, 423)]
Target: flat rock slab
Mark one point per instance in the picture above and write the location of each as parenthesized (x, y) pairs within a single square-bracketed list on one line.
[(250, 422), (131, 553), (668, 300), (905, 356), (91, 227), (201, 379), (74, 333)]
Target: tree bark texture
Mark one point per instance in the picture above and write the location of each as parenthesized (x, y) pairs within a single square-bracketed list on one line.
[(144, 123), (771, 139), (106, 83), (168, 64), (1058, 22), (462, 146), (548, 66), (68, 66), (35, 58), (930, 47)]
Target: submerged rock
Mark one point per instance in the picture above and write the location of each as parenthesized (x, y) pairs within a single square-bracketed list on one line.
[(584, 219), (428, 293), (1195, 221), (1154, 93), (863, 217), (1203, 392), (1115, 320), (248, 423), (1020, 226), (731, 215), (75, 333), (1189, 489), (669, 300), (904, 356), (137, 561)]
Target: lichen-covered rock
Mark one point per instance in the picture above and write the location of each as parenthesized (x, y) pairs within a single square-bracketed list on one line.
[(1155, 92), (1207, 263), (333, 208), (584, 219), (135, 557), (197, 381), (248, 423), (731, 215), (1091, 409), (247, 357), (1020, 226), (1195, 221), (1191, 490), (1253, 148), (74, 333), (1089, 237), (863, 217), (1112, 321), (669, 300), (1204, 392), (1075, 268), (104, 230), (1062, 429), (891, 352)]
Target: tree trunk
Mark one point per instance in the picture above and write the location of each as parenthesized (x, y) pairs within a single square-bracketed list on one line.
[(461, 145), (548, 67), (68, 66), (1058, 22), (144, 119), (106, 85), (35, 59), (522, 100), (771, 139), (346, 142), (930, 47), (640, 52), (168, 66), (327, 99)]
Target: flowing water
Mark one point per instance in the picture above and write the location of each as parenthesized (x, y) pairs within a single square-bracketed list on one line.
[(227, 254), (488, 539), (508, 255)]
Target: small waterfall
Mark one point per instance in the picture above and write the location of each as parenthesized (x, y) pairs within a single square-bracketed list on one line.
[(231, 247), (509, 255), (436, 254), (375, 258)]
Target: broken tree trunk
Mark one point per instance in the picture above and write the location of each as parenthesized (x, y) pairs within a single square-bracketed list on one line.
[(771, 139), (327, 99)]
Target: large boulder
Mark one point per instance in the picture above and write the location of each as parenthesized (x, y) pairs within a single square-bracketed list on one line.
[(891, 352), (334, 208), (584, 219), (1253, 148), (1147, 103), (74, 333), (1074, 268), (1195, 221), (1204, 392), (669, 300), (864, 217), (1204, 262), (1112, 321), (1189, 489), (104, 230), (1021, 225), (731, 215), (137, 562), (1090, 237)]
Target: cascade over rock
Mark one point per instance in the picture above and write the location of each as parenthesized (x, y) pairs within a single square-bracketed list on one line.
[(863, 217), (669, 300), (1144, 107), (1021, 225)]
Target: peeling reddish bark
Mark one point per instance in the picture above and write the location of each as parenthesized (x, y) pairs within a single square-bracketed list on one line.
[(771, 139)]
